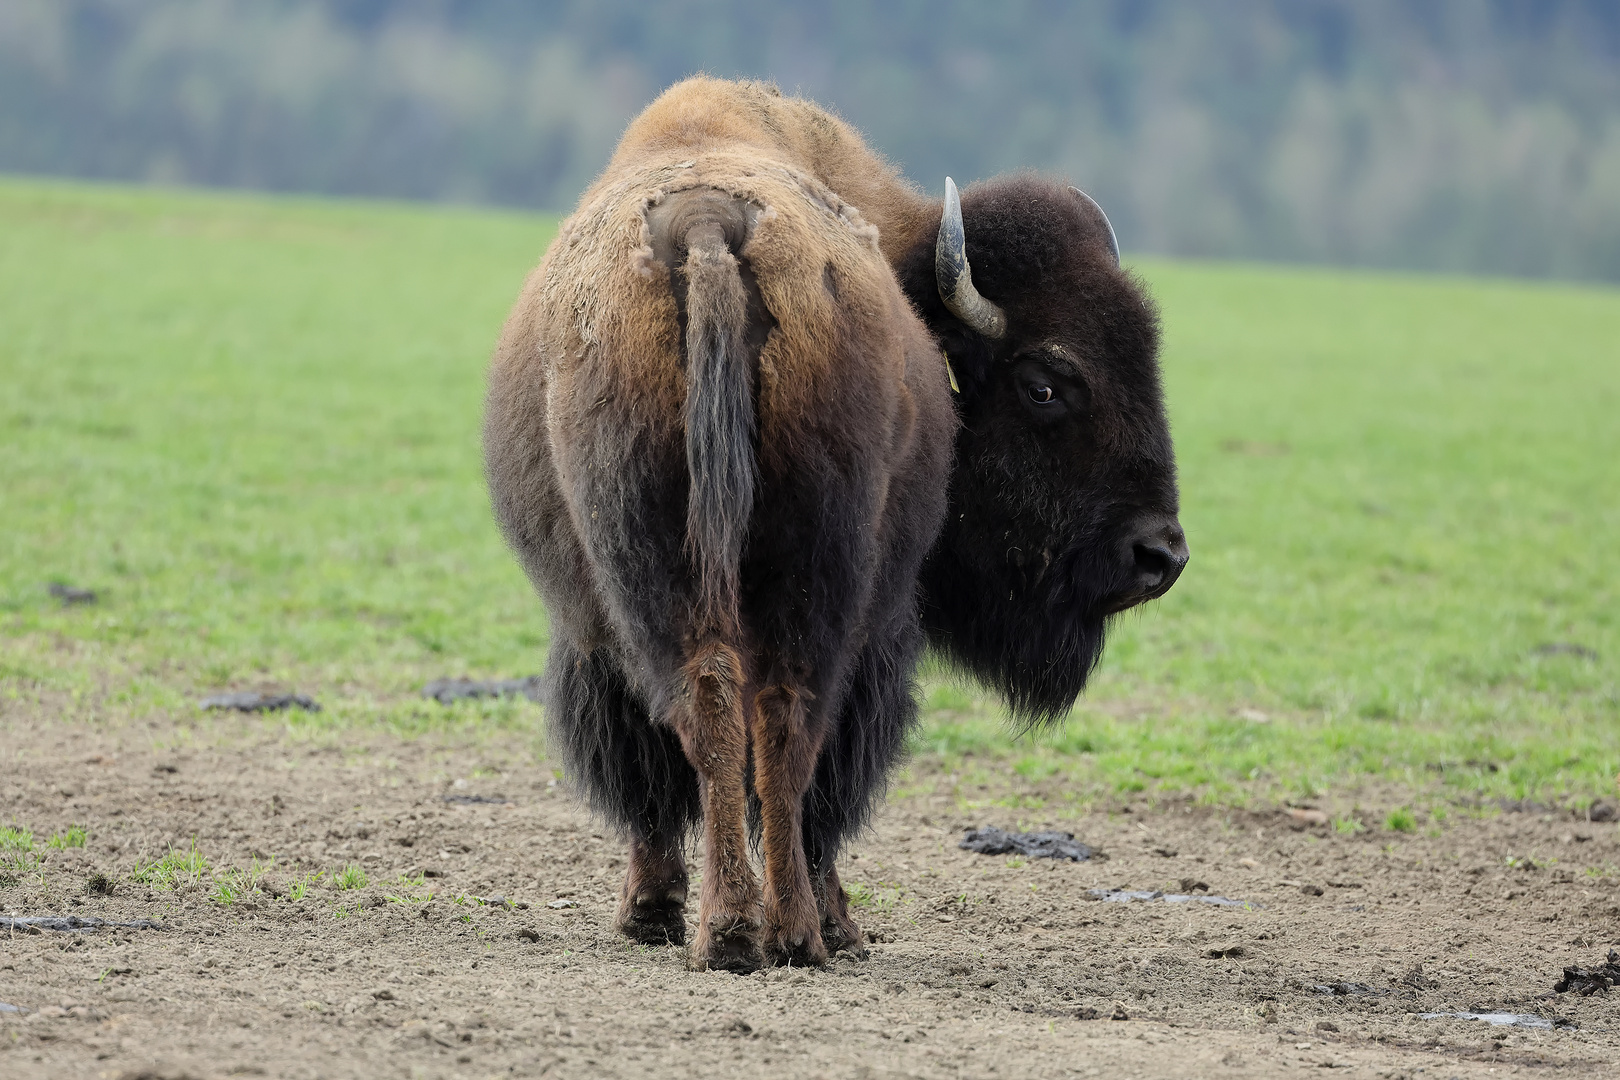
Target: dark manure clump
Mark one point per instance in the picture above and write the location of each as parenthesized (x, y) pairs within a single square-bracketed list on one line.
[(1589, 981), (1040, 845), (255, 701)]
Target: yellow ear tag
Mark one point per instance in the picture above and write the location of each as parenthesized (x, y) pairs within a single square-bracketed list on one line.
[(957, 390)]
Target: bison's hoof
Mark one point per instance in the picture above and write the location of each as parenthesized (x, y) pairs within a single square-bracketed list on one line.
[(796, 950), (843, 936), (729, 942), (653, 922), (735, 950)]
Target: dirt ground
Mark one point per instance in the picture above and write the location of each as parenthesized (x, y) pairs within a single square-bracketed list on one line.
[(980, 967)]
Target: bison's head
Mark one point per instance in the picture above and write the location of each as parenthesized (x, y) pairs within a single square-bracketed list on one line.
[(1063, 501)]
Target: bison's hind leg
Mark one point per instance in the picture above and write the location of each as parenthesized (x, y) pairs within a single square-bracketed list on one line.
[(634, 773), (715, 738), (860, 751), (785, 744), (652, 904), (838, 931)]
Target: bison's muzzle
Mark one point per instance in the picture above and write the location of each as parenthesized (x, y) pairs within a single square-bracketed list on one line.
[(1157, 553)]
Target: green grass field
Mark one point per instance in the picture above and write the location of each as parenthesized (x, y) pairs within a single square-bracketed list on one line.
[(251, 425)]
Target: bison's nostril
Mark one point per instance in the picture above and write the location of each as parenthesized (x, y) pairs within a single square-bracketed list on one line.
[(1153, 564), (1159, 555)]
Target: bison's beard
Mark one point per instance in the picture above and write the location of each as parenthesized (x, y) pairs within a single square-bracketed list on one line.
[(1034, 632)]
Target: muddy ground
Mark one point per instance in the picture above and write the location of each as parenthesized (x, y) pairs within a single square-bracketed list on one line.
[(981, 966)]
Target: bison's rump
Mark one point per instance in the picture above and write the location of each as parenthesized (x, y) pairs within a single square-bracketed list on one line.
[(607, 305)]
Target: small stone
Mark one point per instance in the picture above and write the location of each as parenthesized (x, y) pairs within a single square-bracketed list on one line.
[(1311, 890)]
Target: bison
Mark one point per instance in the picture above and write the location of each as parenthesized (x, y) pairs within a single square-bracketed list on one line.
[(766, 419)]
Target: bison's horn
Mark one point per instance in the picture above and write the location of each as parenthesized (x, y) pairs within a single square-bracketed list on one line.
[(1113, 241), (955, 278)]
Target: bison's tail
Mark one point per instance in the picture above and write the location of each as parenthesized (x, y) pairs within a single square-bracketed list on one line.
[(720, 423)]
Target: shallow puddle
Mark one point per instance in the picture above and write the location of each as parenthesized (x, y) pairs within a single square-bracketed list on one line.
[(1501, 1019)]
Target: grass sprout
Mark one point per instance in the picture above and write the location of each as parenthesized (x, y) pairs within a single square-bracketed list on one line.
[(73, 836), (1348, 825), (14, 866), (185, 866), (879, 898), (235, 884), (352, 876), (1401, 819), (301, 887), (409, 889)]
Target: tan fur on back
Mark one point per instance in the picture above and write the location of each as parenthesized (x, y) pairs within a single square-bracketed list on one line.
[(702, 115), (599, 284)]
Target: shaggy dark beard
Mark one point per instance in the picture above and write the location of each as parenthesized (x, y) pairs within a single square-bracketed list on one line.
[(1038, 640)]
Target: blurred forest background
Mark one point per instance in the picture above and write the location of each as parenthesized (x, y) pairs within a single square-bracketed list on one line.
[(1470, 135)]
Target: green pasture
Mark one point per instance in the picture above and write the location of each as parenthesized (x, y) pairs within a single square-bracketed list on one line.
[(251, 426)]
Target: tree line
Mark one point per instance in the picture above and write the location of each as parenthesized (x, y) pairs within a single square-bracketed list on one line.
[(1469, 135)]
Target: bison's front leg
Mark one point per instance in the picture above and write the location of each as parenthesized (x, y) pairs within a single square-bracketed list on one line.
[(652, 905), (714, 736), (784, 762), (838, 931)]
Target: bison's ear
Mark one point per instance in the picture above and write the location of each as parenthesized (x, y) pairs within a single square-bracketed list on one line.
[(1113, 241), (969, 362)]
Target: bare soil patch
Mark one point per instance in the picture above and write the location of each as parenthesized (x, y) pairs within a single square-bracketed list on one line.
[(980, 966)]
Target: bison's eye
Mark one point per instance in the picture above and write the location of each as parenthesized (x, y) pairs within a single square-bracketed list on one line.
[(1042, 395)]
